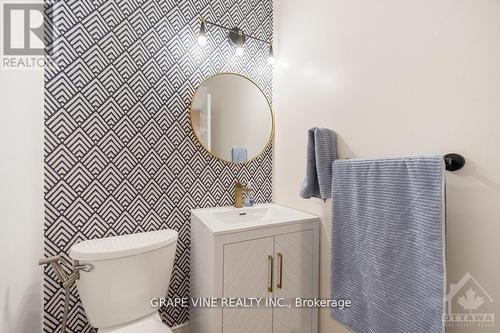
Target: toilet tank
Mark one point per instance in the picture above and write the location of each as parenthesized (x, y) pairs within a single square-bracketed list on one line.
[(128, 271)]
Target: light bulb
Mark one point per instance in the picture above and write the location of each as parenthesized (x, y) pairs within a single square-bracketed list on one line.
[(239, 46), (202, 40), (270, 57), (202, 34)]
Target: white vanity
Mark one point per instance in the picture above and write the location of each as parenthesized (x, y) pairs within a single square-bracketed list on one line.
[(266, 251)]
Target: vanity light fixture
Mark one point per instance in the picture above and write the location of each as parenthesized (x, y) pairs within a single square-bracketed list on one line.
[(236, 37)]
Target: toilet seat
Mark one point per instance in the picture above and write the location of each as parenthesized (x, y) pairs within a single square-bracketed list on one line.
[(149, 324)]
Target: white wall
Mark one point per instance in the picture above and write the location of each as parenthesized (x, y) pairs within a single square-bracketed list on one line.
[(395, 77), (21, 199)]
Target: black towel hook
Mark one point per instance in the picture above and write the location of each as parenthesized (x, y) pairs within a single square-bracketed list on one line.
[(454, 161)]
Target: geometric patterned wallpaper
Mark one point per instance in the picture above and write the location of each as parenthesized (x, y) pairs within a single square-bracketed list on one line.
[(120, 155)]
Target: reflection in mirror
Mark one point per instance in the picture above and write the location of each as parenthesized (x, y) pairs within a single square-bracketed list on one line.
[(231, 117)]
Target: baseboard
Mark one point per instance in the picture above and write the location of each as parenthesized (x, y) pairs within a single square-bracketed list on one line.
[(182, 328)]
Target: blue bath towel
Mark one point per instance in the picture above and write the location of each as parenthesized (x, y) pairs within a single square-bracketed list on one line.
[(321, 152), (238, 154), (388, 244)]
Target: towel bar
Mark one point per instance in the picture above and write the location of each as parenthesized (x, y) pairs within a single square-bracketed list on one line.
[(454, 161)]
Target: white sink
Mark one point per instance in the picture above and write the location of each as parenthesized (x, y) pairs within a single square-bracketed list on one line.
[(220, 220), (245, 215)]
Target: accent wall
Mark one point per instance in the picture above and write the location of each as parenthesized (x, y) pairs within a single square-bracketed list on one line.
[(120, 155)]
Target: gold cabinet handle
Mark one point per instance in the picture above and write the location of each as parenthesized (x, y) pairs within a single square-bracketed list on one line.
[(271, 273), (280, 259)]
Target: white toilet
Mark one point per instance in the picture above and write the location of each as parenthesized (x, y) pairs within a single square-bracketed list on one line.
[(127, 272)]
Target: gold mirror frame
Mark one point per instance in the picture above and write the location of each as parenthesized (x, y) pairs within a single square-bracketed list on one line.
[(271, 135)]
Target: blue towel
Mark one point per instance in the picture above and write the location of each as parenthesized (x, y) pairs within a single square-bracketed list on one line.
[(321, 152), (388, 244), (238, 154)]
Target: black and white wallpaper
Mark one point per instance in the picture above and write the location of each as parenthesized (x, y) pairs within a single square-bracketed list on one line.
[(120, 155)]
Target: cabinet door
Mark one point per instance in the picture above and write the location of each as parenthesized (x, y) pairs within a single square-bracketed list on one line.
[(294, 279), (247, 273)]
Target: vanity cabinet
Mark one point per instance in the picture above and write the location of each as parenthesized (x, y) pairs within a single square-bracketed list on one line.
[(273, 256)]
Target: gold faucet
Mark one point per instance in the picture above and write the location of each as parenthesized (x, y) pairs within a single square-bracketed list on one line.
[(239, 189)]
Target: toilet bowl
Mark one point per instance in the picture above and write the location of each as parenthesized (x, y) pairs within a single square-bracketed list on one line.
[(126, 273)]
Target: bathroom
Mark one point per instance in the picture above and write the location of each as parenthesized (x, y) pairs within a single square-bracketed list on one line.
[(107, 138)]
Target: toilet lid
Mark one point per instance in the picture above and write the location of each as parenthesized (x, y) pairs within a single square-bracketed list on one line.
[(122, 246)]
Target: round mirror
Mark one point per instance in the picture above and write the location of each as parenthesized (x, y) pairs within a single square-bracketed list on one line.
[(231, 117)]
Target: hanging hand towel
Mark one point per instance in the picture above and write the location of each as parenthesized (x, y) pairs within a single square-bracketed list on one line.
[(321, 152), (388, 244)]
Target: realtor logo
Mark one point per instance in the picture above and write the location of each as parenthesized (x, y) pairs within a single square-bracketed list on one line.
[(468, 305), (23, 28)]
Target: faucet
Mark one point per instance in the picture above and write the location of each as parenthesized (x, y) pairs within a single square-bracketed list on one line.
[(239, 189)]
